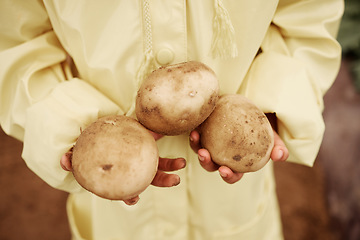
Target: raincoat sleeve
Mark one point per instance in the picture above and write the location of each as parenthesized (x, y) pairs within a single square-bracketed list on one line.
[(40, 103), (300, 60)]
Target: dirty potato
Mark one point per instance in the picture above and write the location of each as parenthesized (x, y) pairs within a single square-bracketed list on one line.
[(238, 134), (175, 99), (115, 158)]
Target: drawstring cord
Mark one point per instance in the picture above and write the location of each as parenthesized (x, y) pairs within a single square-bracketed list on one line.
[(147, 65), (223, 42)]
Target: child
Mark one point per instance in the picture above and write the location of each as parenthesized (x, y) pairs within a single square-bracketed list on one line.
[(281, 54)]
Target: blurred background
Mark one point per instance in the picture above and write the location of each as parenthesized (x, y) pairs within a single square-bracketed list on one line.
[(322, 202)]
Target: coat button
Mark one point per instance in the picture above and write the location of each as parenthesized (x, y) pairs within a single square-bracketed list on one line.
[(164, 56)]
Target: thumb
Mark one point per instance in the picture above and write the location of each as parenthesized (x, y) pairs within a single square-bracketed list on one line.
[(279, 151), (65, 161)]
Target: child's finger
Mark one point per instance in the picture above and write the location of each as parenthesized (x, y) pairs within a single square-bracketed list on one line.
[(205, 160), (156, 136), (279, 151), (229, 176), (132, 201), (195, 141), (169, 164), (163, 179), (65, 161)]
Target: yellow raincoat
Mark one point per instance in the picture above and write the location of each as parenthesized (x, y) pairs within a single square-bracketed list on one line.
[(44, 105)]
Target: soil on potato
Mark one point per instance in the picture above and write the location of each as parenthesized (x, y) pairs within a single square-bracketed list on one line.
[(316, 203)]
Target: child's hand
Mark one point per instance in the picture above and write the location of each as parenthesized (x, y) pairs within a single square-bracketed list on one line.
[(205, 160), (161, 179), (279, 153)]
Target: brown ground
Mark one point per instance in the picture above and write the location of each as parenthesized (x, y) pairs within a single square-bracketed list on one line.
[(322, 202)]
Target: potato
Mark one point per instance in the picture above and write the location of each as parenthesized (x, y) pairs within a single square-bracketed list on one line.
[(238, 134), (115, 158), (175, 99)]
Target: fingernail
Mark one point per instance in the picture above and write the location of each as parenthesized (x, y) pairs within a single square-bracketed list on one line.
[(224, 175), (132, 201), (280, 154), (201, 158), (177, 181), (183, 163)]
